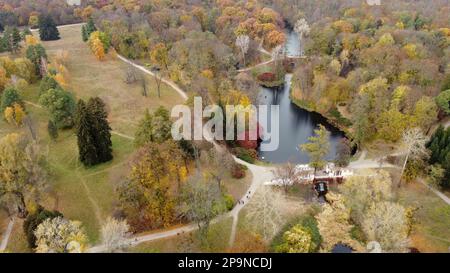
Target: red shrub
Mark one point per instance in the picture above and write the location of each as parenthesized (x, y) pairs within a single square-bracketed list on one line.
[(238, 171), (248, 143), (267, 77)]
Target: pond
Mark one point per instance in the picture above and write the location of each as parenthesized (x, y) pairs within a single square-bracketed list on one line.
[(295, 124)]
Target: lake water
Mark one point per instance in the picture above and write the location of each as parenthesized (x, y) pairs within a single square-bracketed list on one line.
[(296, 124)]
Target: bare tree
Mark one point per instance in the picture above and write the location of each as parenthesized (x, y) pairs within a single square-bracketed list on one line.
[(220, 162), (302, 28), (158, 80), (115, 234), (144, 86), (130, 75), (201, 202), (264, 212), (43, 68), (243, 41), (413, 143), (286, 175), (278, 54)]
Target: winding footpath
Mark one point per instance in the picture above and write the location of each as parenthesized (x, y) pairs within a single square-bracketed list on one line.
[(7, 234), (259, 176), (164, 80)]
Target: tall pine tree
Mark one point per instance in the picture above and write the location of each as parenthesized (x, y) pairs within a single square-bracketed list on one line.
[(439, 147), (84, 34), (101, 129), (87, 29), (47, 29), (87, 148)]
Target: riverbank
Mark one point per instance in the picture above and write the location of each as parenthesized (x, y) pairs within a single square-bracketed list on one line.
[(333, 116)]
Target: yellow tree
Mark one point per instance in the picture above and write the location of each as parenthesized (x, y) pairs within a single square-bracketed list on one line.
[(31, 40), (59, 78), (15, 114), (317, 147), (96, 45), (425, 113), (296, 240), (391, 124), (334, 224), (33, 21), (159, 56), (22, 177), (146, 196), (3, 79), (398, 96), (174, 160)]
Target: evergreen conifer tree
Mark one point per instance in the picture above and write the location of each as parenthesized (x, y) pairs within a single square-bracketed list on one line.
[(90, 27), (15, 39), (101, 131), (87, 148), (84, 34), (47, 29), (87, 29)]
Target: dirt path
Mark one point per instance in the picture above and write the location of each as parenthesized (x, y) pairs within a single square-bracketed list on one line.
[(254, 66), (97, 211), (60, 26), (444, 197), (164, 80), (7, 234), (122, 135), (260, 175), (34, 104)]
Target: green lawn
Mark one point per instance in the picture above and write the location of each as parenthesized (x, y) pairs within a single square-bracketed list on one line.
[(432, 230), (106, 79)]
